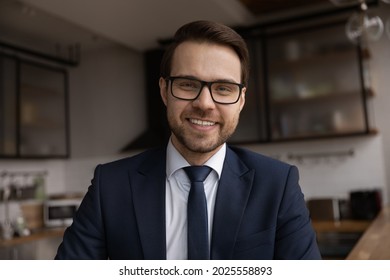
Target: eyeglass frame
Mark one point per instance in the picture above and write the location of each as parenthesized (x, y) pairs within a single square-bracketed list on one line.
[(202, 85)]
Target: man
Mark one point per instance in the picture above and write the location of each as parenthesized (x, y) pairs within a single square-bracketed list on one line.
[(136, 208)]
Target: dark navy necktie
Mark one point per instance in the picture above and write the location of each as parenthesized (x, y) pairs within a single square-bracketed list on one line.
[(198, 236)]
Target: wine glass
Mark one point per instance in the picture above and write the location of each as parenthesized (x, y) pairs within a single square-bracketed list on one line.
[(362, 26)]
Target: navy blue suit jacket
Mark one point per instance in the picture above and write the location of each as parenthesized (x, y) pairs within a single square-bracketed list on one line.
[(260, 212)]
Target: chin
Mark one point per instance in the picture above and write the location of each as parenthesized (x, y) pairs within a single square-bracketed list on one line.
[(200, 145)]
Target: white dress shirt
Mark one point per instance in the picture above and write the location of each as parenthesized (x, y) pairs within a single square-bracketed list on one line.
[(176, 197)]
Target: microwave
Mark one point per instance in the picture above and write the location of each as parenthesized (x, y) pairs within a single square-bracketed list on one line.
[(60, 212)]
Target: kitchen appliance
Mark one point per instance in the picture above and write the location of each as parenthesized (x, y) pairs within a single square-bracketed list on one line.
[(59, 211), (365, 204), (324, 209)]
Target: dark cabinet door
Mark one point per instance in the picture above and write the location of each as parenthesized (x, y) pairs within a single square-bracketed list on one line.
[(307, 81), (34, 112), (8, 108), (315, 84)]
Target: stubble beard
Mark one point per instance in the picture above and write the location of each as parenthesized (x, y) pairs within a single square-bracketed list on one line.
[(200, 142)]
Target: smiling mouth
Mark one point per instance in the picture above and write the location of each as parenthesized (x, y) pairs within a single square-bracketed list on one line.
[(202, 123)]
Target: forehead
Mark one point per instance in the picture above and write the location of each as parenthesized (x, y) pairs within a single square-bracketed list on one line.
[(206, 61)]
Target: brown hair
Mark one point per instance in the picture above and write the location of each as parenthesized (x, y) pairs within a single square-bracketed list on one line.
[(207, 31)]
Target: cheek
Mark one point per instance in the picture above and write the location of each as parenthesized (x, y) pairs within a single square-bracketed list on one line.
[(174, 108), (232, 114)]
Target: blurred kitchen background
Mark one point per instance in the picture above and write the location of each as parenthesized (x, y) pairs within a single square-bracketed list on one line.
[(79, 87)]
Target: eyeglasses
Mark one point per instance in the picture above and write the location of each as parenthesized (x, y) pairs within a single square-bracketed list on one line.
[(189, 89)]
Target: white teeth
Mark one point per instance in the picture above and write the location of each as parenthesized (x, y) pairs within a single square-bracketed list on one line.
[(203, 123)]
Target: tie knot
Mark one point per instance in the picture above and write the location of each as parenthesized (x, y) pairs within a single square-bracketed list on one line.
[(197, 173)]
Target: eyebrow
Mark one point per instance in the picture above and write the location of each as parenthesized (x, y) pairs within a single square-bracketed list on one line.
[(212, 81)]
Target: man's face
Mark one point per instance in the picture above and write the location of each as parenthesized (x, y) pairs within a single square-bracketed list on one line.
[(202, 126)]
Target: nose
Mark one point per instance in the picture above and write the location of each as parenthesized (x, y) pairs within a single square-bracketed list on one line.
[(204, 100)]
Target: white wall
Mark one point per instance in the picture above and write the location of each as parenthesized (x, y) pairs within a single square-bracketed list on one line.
[(342, 165), (107, 110), (107, 101)]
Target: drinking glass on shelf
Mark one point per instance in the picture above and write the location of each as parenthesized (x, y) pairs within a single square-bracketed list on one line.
[(362, 26)]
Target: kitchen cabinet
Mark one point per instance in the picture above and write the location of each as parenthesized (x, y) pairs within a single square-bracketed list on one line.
[(307, 81), (34, 106), (316, 87), (8, 113)]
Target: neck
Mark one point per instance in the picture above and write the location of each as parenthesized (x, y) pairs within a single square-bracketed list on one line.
[(193, 157)]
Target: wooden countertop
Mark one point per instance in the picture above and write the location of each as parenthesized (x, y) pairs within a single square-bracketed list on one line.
[(40, 234), (375, 242), (344, 226)]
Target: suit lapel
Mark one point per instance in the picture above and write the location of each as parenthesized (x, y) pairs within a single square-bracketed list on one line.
[(148, 187), (232, 196)]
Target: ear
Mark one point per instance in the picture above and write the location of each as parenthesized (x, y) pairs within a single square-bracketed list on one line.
[(242, 98), (163, 90)]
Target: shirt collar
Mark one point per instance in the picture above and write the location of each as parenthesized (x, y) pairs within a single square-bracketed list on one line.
[(176, 161)]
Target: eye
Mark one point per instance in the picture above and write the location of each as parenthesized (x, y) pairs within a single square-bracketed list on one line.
[(185, 84), (224, 88)]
